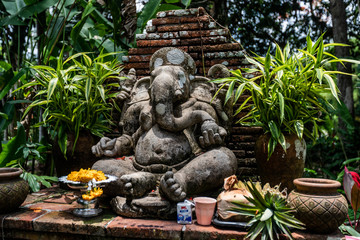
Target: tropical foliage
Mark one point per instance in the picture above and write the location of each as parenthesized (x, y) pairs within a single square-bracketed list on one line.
[(270, 213), (76, 95), (288, 91)]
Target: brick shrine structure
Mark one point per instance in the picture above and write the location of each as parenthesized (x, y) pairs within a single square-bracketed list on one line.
[(195, 32)]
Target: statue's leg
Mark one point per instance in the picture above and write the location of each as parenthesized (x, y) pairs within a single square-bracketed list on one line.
[(202, 174), (130, 182)]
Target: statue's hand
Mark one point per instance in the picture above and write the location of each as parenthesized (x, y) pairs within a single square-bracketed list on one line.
[(212, 134), (122, 95), (105, 147), (113, 147)]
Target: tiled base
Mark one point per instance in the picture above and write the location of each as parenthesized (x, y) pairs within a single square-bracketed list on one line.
[(47, 215)]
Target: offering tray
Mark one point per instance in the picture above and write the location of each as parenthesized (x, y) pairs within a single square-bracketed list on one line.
[(91, 207)]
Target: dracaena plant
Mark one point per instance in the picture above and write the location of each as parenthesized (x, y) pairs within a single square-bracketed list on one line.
[(76, 95), (270, 213), (287, 90)]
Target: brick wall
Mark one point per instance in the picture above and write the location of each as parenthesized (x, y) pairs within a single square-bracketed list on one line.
[(193, 31)]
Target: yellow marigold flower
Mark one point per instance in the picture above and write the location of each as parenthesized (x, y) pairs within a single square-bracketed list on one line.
[(86, 175)]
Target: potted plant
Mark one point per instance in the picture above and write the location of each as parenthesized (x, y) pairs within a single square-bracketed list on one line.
[(270, 213), (287, 94), (76, 99)]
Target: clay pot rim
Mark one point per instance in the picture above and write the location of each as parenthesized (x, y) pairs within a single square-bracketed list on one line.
[(321, 183), (9, 173), (208, 200)]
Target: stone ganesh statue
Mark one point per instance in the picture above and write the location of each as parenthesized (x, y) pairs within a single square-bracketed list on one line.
[(172, 127)]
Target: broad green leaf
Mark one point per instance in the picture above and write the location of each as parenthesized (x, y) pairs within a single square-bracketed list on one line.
[(282, 141), (308, 54), (11, 83), (299, 128), (274, 130), (9, 149), (186, 3), (147, 13), (333, 86), (230, 91), (88, 88), (239, 92), (102, 92), (52, 87), (319, 74), (271, 147), (281, 106)]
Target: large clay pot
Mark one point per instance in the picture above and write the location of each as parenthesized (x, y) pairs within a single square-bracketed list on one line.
[(13, 189), (318, 204), (82, 157), (281, 167)]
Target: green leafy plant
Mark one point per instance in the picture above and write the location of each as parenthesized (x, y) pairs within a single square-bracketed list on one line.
[(270, 213), (288, 91), (16, 153), (76, 96)]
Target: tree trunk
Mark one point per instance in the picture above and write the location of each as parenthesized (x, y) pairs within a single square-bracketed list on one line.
[(219, 12), (338, 12)]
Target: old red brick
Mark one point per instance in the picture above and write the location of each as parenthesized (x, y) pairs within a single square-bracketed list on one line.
[(65, 222), (195, 231), (247, 172), (246, 130), (176, 20), (244, 138), (239, 153), (158, 43), (187, 26), (137, 65), (151, 229), (216, 48), (247, 162), (204, 40), (21, 219), (204, 33), (241, 145), (139, 58), (151, 50)]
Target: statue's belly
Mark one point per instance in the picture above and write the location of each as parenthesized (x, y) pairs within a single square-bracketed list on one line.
[(158, 146)]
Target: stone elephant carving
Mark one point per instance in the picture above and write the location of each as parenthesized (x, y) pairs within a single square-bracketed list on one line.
[(172, 126)]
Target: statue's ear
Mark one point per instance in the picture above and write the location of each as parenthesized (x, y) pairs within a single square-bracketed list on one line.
[(140, 91), (218, 71), (202, 89)]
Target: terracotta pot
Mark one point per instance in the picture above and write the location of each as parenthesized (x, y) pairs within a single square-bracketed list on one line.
[(82, 157), (281, 167), (318, 204), (13, 189)]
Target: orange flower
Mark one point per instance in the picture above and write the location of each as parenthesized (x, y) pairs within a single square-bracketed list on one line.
[(86, 175)]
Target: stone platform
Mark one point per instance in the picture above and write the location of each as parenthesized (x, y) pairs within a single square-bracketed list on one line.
[(47, 215)]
